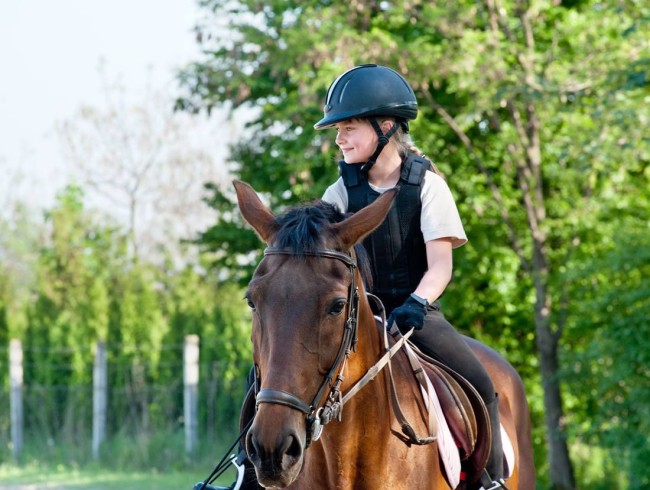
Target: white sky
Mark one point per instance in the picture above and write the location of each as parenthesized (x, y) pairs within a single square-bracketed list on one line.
[(50, 58)]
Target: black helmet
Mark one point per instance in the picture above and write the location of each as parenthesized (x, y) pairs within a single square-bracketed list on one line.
[(365, 91)]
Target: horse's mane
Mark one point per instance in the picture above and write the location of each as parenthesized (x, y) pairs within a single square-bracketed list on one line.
[(304, 229)]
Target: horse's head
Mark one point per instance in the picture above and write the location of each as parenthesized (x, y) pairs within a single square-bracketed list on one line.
[(303, 298)]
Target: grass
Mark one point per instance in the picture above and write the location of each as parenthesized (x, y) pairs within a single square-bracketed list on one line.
[(60, 477), (126, 462)]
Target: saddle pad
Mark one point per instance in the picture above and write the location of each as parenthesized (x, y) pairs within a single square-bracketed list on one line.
[(447, 449)]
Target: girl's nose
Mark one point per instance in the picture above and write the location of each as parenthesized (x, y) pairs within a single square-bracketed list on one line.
[(339, 137)]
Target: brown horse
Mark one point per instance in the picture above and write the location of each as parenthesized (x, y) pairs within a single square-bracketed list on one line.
[(314, 337)]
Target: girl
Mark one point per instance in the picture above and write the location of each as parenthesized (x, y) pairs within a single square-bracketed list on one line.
[(411, 252)]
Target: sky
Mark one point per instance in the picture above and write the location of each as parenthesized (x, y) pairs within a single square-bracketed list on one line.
[(53, 54)]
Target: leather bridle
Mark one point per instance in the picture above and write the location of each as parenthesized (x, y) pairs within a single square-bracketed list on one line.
[(317, 417)]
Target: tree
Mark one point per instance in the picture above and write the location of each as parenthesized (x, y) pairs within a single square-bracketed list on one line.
[(148, 164), (521, 105), (68, 313), (20, 233)]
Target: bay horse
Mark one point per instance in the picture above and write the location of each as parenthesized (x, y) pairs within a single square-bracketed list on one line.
[(314, 339)]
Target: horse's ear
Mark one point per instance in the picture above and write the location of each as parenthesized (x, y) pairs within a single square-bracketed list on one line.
[(354, 229), (255, 212)]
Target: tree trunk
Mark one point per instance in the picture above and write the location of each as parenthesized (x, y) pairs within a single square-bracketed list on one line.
[(561, 469), (529, 164)]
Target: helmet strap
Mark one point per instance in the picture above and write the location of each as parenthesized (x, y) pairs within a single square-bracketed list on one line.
[(381, 143)]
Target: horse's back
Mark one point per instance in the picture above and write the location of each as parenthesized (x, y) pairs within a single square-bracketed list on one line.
[(513, 407)]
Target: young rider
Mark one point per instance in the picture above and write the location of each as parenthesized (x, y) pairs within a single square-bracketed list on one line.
[(411, 252)]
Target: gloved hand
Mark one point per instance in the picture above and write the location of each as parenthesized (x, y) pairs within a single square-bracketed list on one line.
[(410, 315)]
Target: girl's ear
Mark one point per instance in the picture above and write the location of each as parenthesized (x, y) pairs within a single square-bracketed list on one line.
[(386, 125)]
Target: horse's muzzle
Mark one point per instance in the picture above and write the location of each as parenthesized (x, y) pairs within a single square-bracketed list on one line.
[(276, 446)]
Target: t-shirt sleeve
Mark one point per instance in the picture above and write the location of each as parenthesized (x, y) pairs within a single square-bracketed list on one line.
[(337, 195), (440, 217)]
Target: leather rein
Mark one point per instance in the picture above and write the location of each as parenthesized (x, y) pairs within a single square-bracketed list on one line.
[(332, 408)]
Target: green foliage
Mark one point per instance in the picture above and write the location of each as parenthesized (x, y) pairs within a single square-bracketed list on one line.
[(610, 373), (69, 311)]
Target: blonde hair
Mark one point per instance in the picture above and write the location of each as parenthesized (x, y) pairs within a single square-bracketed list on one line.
[(405, 144)]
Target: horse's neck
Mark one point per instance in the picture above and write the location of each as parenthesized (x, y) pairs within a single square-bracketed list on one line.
[(370, 345), (395, 382), (364, 447), (371, 404)]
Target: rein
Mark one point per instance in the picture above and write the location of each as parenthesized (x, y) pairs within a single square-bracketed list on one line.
[(318, 417)]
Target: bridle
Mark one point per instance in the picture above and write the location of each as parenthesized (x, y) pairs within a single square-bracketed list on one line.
[(317, 417)]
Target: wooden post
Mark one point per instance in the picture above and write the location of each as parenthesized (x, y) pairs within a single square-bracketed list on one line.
[(16, 395), (100, 395), (191, 391)]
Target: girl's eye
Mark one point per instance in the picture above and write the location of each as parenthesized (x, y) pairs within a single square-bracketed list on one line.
[(337, 308)]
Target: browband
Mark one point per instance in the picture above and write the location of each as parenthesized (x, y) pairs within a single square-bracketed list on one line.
[(322, 252)]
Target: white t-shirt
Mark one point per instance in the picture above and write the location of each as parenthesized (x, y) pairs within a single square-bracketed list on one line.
[(439, 218)]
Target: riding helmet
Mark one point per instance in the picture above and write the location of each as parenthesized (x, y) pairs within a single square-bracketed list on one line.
[(366, 91)]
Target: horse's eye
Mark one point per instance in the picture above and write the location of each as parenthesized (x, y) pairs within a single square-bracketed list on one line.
[(249, 302), (337, 307)]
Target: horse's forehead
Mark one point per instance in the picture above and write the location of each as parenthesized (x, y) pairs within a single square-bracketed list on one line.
[(299, 274)]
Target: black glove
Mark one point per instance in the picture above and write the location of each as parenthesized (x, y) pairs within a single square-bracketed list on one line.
[(410, 315)]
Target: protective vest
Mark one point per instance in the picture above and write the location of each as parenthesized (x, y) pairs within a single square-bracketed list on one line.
[(396, 249)]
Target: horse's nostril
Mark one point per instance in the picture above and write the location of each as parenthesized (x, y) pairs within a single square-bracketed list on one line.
[(295, 448), (251, 449)]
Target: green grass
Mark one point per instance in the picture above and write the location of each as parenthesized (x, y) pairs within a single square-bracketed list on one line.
[(34, 477), (157, 461), (87, 479)]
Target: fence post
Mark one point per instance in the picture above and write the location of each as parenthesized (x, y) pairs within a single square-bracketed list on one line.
[(190, 393), (16, 395), (100, 388)]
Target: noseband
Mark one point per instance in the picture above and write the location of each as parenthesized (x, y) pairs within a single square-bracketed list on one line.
[(317, 417)]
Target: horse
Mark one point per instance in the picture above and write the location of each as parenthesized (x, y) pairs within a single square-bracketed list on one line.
[(324, 415)]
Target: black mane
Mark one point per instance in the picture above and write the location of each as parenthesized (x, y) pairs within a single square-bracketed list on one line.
[(304, 230)]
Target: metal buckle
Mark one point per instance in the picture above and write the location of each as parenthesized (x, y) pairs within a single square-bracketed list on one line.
[(317, 426)]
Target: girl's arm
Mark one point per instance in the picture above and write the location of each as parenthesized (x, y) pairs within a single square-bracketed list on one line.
[(438, 275)]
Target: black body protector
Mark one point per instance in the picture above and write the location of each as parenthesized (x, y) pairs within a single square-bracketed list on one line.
[(397, 249)]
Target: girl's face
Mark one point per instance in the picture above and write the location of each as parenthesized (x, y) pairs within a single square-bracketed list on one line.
[(357, 140)]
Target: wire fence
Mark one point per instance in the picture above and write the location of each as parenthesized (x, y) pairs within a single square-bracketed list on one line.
[(181, 394)]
